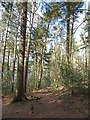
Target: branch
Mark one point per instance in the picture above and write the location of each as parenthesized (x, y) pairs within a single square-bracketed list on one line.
[(80, 25)]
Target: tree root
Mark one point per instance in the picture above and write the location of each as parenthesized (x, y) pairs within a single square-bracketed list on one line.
[(19, 99)]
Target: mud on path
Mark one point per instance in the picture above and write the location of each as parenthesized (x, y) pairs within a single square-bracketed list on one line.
[(46, 104)]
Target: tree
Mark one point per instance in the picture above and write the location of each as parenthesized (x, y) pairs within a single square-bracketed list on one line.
[(8, 8), (20, 76), (26, 46), (29, 44), (88, 41), (41, 63), (15, 53), (68, 34)]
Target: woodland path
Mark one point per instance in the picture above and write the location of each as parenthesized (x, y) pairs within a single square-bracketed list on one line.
[(47, 104)]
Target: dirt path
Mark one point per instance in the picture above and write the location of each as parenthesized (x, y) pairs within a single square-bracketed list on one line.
[(47, 105)]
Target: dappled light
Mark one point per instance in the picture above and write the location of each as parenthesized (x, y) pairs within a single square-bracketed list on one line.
[(45, 59), (49, 105)]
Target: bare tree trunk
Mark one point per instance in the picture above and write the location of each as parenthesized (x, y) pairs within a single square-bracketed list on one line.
[(8, 67), (14, 60), (10, 5), (86, 62), (20, 76), (8, 62), (71, 42), (68, 36), (28, 50), (88, 43), (4, 49), (42, 57), (35, 65), (68, 43), (41, 65)]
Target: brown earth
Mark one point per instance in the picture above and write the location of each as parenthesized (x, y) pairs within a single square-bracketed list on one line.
[(47, 104)]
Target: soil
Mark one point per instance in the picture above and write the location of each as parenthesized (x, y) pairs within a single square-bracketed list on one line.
[(47, 104)]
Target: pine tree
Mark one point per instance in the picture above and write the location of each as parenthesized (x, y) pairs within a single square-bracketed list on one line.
[(20, 76)]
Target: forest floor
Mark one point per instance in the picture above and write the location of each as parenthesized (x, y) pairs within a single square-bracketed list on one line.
[(47, 104)]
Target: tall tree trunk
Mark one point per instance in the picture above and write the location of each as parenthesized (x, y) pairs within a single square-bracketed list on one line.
[(68, 42), (8, 67), (4, 49), (86, 62), (14, 60), (9, 6), (88, 42), (35, 66), (71, 42), (42, 57), (20, 76), (68, 35), (41, 65), (28, 49), (8, 62)]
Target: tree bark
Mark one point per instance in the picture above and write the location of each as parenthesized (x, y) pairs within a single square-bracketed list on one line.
[(9, 10), (41, 65), (14, 60), (68, 35), (8, 67), (42, 57), (4, 49), (35, 66), (20, 76), (71, 42), (28, 51), (88, 14)]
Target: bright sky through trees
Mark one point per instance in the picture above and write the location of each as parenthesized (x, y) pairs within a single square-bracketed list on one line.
[(78, 21), (44, 45)]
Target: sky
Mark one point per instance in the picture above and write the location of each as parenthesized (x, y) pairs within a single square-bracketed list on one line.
[(81, 16), (80, 19)]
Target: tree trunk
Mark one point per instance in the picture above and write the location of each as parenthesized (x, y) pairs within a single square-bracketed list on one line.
[(14, 60), (41, 65), (71, 42), (68, 36), (68, 43), (28, 50), (20, 76), (42, 57), (10, 5), (8, 67), (4, 49), (89, 43), (86, 62), (35, 66)]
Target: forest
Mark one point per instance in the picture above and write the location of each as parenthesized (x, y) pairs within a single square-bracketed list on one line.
[(44, 59)]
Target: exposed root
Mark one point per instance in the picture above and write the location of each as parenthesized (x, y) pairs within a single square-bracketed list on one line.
[(19, 99)]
